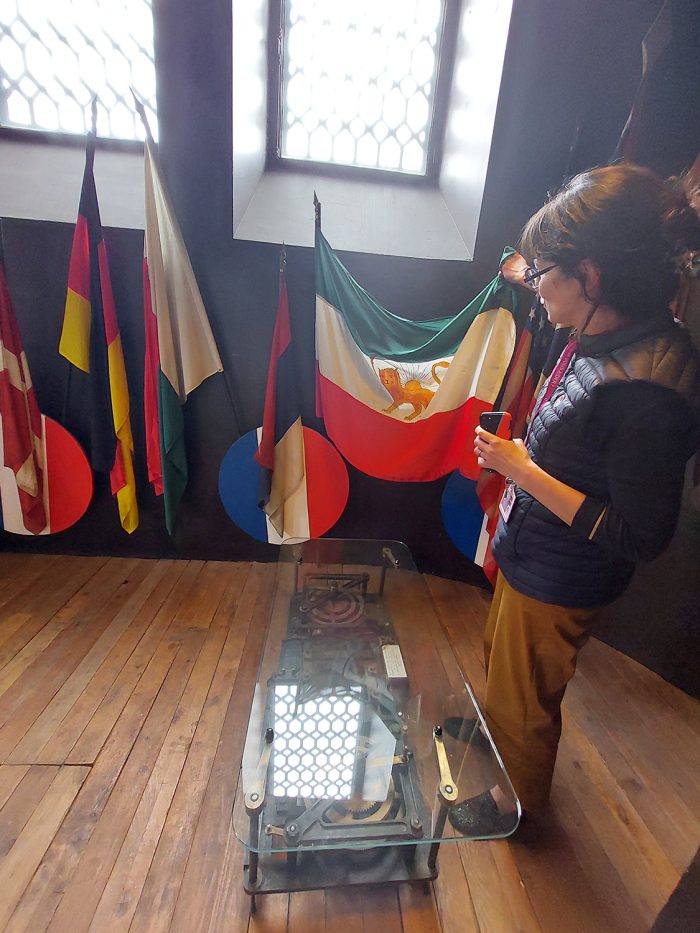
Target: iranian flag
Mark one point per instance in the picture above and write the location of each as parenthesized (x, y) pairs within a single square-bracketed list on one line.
[(400, 399), (180, 348)]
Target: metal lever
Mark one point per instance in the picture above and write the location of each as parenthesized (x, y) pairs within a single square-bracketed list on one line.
[(255, 797), (447, 794), (388, 559), (387, 553), (448, 789)]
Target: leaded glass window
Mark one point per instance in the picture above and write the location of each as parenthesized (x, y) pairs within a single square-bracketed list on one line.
[(358, 82), (56, 54)]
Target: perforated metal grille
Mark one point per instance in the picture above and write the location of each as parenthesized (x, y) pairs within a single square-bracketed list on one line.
[(359, 82), (315, 745), (56, 55)]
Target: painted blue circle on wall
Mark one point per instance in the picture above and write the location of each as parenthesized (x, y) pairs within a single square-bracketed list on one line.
[(462, 514), (238, 487)]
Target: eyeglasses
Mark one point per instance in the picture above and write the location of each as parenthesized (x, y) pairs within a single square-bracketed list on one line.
[(531, 274)]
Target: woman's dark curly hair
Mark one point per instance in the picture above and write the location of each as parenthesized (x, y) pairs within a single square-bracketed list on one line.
[(628, 221)]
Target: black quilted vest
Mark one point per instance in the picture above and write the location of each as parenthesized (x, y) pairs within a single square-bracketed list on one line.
[(540, 555)]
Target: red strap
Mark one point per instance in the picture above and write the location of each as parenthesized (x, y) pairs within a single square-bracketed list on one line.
[(557, 374)]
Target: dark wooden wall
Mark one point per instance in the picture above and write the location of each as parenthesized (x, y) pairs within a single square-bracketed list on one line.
[(570, 75)]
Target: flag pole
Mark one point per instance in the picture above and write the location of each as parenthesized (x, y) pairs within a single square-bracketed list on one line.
[(141, 110), (317, 211)]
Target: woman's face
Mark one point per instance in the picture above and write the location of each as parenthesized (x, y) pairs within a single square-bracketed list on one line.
[(563, 298)]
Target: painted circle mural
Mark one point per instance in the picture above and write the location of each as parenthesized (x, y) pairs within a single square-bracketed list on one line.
[(463, 516), (69, 483), (327, 488)]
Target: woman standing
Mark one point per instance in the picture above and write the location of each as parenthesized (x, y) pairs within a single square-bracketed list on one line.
[(596, 486)]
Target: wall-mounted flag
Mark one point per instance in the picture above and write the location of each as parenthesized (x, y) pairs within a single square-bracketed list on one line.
[(538, 349), (401, 399), (180, 348), (657, 40), (90, 340), (67, 483), (45, 478), (20, 418), (281, 451), (320, 499), (536, 352)]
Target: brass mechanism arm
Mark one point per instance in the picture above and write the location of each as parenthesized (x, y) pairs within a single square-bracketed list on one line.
[(255, 797), (448, 789)]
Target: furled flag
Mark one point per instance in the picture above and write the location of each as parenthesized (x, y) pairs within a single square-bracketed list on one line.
[(20, 427), (180, 347), (281, 449), (537, 351), (401, 399), (90, 340), (654, 44)]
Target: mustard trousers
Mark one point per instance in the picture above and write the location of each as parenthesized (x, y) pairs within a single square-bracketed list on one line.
[(530, 650)]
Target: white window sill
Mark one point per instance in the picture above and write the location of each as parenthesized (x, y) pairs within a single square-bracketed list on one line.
[(40, 182), (360, 216)]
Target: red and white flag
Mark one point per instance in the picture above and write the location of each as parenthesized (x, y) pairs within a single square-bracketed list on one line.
[(20, 417)]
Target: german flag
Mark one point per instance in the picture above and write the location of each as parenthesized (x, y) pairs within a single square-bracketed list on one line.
[(90, 340)]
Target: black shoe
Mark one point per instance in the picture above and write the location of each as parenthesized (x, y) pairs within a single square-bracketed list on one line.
[(479, 816), (466, 730)]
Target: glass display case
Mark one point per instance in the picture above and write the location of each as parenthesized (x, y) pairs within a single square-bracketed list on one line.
[(363, 733)]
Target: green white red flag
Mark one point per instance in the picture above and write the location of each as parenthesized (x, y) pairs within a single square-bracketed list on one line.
[(401, 399)]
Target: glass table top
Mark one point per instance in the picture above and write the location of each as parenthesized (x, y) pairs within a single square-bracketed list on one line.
[(362, 731)]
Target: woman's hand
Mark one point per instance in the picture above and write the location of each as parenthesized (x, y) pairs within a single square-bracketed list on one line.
[(513, 270), (509, 458)]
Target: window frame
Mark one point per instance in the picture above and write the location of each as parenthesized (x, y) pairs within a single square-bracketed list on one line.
[(12, 132), (274, 161), (25, 134)]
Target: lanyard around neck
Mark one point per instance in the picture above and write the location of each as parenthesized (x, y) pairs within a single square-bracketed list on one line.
[(555, 378)]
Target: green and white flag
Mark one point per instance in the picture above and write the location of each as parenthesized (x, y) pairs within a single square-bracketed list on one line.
[(180, 348)]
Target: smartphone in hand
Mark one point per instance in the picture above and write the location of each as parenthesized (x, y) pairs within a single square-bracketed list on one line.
[(496, 422)]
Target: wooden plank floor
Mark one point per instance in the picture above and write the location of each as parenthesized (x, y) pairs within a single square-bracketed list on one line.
[(124, 691)]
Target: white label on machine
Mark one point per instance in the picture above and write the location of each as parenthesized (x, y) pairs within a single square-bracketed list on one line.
[(393, 662)]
